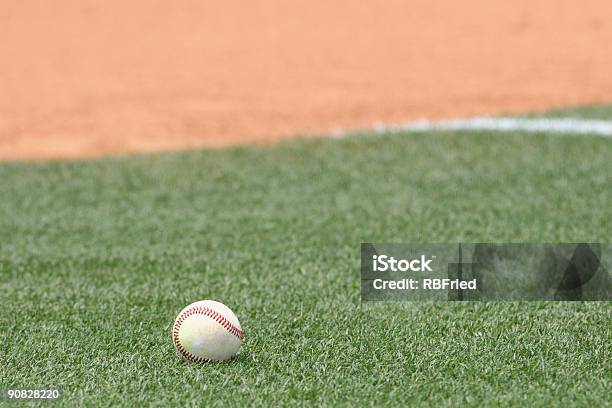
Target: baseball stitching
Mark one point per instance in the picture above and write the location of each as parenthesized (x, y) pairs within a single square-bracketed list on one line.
[(205, 311)]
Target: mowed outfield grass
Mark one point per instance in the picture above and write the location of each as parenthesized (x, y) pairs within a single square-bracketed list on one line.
[(97, 258)]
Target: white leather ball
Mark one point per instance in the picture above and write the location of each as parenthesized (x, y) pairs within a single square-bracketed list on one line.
[(207, 331)]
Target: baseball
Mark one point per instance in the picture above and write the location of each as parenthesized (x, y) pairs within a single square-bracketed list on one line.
[(207, 331)]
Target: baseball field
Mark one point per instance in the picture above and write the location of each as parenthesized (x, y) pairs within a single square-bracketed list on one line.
[(98, 257), (154, 154)]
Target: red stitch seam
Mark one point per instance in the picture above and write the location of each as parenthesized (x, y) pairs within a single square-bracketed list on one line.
[(206, 312)]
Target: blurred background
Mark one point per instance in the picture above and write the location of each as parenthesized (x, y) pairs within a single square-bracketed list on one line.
[(88, 78)]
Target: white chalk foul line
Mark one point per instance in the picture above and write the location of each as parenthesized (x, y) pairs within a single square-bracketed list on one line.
[(529, 125)]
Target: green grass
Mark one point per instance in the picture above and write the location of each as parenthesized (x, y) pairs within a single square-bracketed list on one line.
[(97, 258)]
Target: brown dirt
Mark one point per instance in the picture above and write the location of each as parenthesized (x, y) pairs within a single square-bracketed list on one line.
[(87, 78)]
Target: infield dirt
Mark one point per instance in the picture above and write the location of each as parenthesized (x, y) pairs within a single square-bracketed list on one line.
[(83, 79)]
